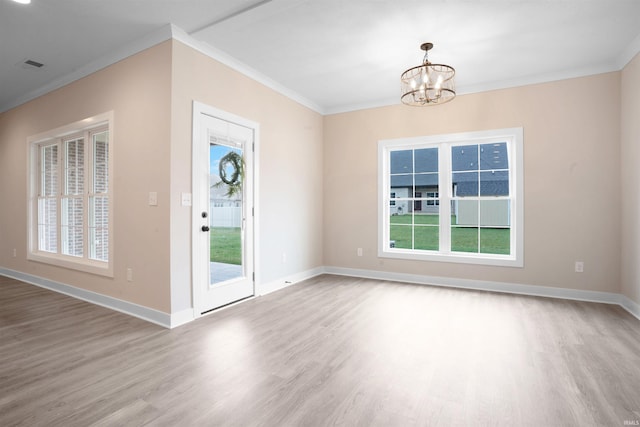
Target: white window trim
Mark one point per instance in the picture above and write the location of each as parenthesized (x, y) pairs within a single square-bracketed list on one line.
[(34, 142), (514, 137)]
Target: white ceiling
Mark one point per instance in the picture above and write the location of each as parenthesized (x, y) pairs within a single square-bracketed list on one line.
[(336, 55)]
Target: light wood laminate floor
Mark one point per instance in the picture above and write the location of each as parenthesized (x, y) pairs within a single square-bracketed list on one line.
[(329, 351)]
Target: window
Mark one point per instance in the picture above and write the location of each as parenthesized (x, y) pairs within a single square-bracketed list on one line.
[(458, 198), (70, 193)]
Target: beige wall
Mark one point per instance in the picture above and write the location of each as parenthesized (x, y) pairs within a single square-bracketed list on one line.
[(318, 176), (571, 180), (151, 94), (137, 90), (290, 168), (630, 168)]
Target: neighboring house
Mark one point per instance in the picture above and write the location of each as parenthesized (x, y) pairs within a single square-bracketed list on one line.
[(426, 186), (478, 170)]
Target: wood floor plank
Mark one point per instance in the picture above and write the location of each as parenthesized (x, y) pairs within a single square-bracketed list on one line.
[(329, 351)]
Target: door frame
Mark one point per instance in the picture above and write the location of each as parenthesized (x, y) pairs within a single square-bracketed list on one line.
[(199, 274)]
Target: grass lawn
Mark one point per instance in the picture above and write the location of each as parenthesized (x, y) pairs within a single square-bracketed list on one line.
[(463, 239), (226, 245)]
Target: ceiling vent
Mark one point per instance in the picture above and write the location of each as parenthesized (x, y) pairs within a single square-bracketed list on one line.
[(31, 64)]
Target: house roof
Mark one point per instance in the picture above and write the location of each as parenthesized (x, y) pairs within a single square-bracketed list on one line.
[(476, 168)]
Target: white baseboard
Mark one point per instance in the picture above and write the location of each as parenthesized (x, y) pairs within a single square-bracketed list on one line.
[(139, 311), (182, 317), (276, 285), (185, 316), (630, 305), (511, 288)]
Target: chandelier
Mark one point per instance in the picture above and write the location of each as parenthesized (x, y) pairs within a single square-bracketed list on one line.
[(428, 84)]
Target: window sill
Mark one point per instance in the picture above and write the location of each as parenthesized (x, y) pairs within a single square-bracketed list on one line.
[(87, 266), (458, 258)]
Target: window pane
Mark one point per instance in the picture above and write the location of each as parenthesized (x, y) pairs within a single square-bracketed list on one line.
[(495, 220), (494, 183), (494, 156), (495, 241), (426, 230), (74, 167), (99, 228), (402, 185), (426, 160), (72, 226), (464, 212), (464, 239), (101, 162), (47, 225), (49, 171), (464, 158), (427, 219), (495, 213), (465, 184), (427, 238), (401, 236), (427, 180), (464, 225), (401, 161), (401, 218)]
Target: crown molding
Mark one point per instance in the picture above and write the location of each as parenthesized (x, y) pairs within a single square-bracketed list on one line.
[(628, 53), (489, 86), (171, 31), (167, 32), (231, 62), (151, 39)]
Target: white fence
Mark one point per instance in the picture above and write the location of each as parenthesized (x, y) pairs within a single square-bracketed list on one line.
[(225, 216), (495, 213)]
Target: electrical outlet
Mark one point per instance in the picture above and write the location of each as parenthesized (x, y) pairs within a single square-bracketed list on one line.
[(284, 257), (14, 252), (129, 274), (153, 198), (579, 267), (359, 251)]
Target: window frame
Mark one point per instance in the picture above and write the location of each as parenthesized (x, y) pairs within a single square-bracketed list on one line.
[(84, 129), (514, 139)]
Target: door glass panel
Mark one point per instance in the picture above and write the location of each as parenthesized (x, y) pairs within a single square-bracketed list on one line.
[(226, 173)]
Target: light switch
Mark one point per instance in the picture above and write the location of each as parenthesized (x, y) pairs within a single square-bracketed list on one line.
[(153, 198), (186, 199)]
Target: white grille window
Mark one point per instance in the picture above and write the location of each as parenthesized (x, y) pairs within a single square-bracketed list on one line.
[(453, 198), (71, 209)]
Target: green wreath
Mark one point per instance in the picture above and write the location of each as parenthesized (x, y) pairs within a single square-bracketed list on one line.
[(233, 183), (234, 161)]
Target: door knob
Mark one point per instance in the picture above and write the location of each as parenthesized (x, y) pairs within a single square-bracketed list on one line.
[(205, 228)]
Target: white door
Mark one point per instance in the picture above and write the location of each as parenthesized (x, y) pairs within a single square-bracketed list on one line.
[(222, 208)]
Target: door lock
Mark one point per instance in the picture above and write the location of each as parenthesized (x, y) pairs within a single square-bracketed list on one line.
[(205, 228)]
